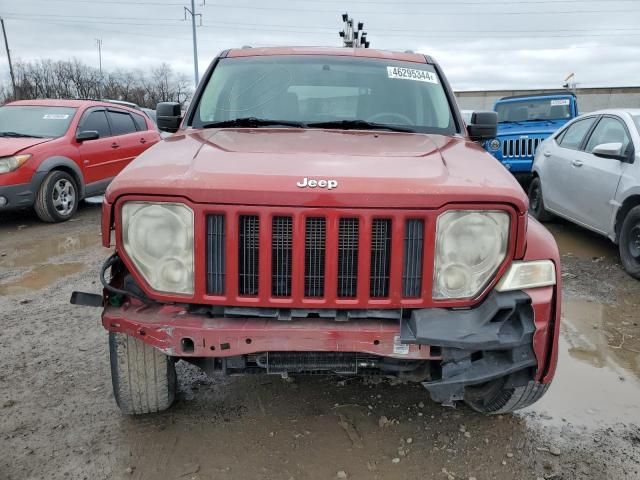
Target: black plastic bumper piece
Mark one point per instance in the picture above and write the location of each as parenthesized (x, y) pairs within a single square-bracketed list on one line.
[(490, 341), (17, 196)]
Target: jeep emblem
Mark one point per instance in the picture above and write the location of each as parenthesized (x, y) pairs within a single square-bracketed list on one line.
[(322, 183)]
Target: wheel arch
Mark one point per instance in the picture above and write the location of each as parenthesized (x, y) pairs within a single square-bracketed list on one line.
[(630, 202), (63, 164)]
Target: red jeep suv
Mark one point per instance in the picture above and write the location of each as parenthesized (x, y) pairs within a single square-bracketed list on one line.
[(53, 153), (327, 211)]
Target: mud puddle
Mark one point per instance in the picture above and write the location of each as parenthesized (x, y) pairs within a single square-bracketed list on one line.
[(580, 242), (40, 277), (597, 384), (42, 249)]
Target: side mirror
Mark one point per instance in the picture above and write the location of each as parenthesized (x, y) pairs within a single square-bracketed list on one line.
[(168, 116), (608, 150), (483, 126), (85, 135)]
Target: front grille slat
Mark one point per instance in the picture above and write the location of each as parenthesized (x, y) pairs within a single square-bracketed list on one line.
[(315, 242), (281, 255), (413, 251), (348, 240), (248, 254), (380, 257), (216, 268)]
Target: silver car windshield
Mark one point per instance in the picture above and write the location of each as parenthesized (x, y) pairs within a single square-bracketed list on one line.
[(636, 121)]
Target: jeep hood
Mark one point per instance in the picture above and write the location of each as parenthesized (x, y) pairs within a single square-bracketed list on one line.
[(372, 169), (529, 128), (10, 146)]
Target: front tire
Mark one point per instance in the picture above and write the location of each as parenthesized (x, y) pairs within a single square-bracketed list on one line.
[(57, 198), (495, 398), (629, 245), (536, 202), (144, 379)]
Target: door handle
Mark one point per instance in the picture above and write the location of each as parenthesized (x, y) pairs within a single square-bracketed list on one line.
[(577, 163), (546, 153), (114, 145), (143, 141)]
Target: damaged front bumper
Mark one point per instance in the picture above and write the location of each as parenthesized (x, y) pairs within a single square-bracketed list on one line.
[(509, 334), (491, 341)]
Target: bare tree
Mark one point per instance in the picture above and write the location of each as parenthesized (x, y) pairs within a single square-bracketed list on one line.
[(73, 79)]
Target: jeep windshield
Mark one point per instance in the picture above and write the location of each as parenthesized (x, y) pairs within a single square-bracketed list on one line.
[(312, 91), (34, 121), (534, 110)]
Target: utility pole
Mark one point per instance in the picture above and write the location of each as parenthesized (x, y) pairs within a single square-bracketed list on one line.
[(193, 14), (99, 44), (6, 46), (353, 37)]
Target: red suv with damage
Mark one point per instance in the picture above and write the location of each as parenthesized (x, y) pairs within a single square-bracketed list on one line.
[(327, 210), (54, 153)]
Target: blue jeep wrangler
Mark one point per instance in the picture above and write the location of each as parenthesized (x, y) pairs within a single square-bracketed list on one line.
[(524, 121)]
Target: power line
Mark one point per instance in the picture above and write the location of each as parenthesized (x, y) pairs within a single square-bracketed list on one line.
[(79, 19)]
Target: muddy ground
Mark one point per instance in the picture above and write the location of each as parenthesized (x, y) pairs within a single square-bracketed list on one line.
[(58, 418)]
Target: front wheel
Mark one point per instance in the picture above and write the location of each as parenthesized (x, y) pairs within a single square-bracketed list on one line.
[(536, 202), (495, 397), (57, 198), (629, 244), (144, 379)]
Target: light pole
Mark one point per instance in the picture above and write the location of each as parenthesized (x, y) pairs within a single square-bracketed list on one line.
[(193, 14)]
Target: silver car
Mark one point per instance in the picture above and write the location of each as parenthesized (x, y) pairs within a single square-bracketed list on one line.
[(589, 173)]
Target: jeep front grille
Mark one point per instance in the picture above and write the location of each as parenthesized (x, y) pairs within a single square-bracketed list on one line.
[(380, 257), (413, 244), (293, 257), (520, 147), (248, 255), (215, 254), (281, 245), (348, 239), (314, 258)]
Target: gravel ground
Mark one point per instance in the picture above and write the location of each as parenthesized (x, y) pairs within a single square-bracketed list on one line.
[(58, 418)]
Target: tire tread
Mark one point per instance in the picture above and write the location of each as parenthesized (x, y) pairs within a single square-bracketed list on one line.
[(144, 378)]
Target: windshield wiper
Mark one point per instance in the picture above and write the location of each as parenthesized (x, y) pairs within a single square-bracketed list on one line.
[(510, 121), (19, 135), (539, 120), (252, 122), (360, 125)]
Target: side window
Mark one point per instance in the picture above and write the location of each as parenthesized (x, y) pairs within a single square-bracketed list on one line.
[(573, 136), (609, 130), (141, 124), (121, 122), (96, 120)]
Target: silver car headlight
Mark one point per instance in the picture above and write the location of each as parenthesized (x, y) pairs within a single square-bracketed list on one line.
[(158, 238), (470, 246)]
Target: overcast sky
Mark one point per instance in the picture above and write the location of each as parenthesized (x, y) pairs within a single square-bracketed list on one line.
[(481, 44)]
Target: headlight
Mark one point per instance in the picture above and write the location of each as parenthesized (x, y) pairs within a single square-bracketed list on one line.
[(158, 237), (521, 275), (494, 144), (9, 164), (470, 246)]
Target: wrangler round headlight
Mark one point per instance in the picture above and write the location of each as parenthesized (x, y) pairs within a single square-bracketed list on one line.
[(494, 144), (158, 237), (470, 246)]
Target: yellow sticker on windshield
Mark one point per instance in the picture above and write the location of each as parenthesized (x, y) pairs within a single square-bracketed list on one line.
[(412, 74)]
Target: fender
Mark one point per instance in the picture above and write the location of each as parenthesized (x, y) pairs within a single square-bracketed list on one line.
[(58, 161)]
